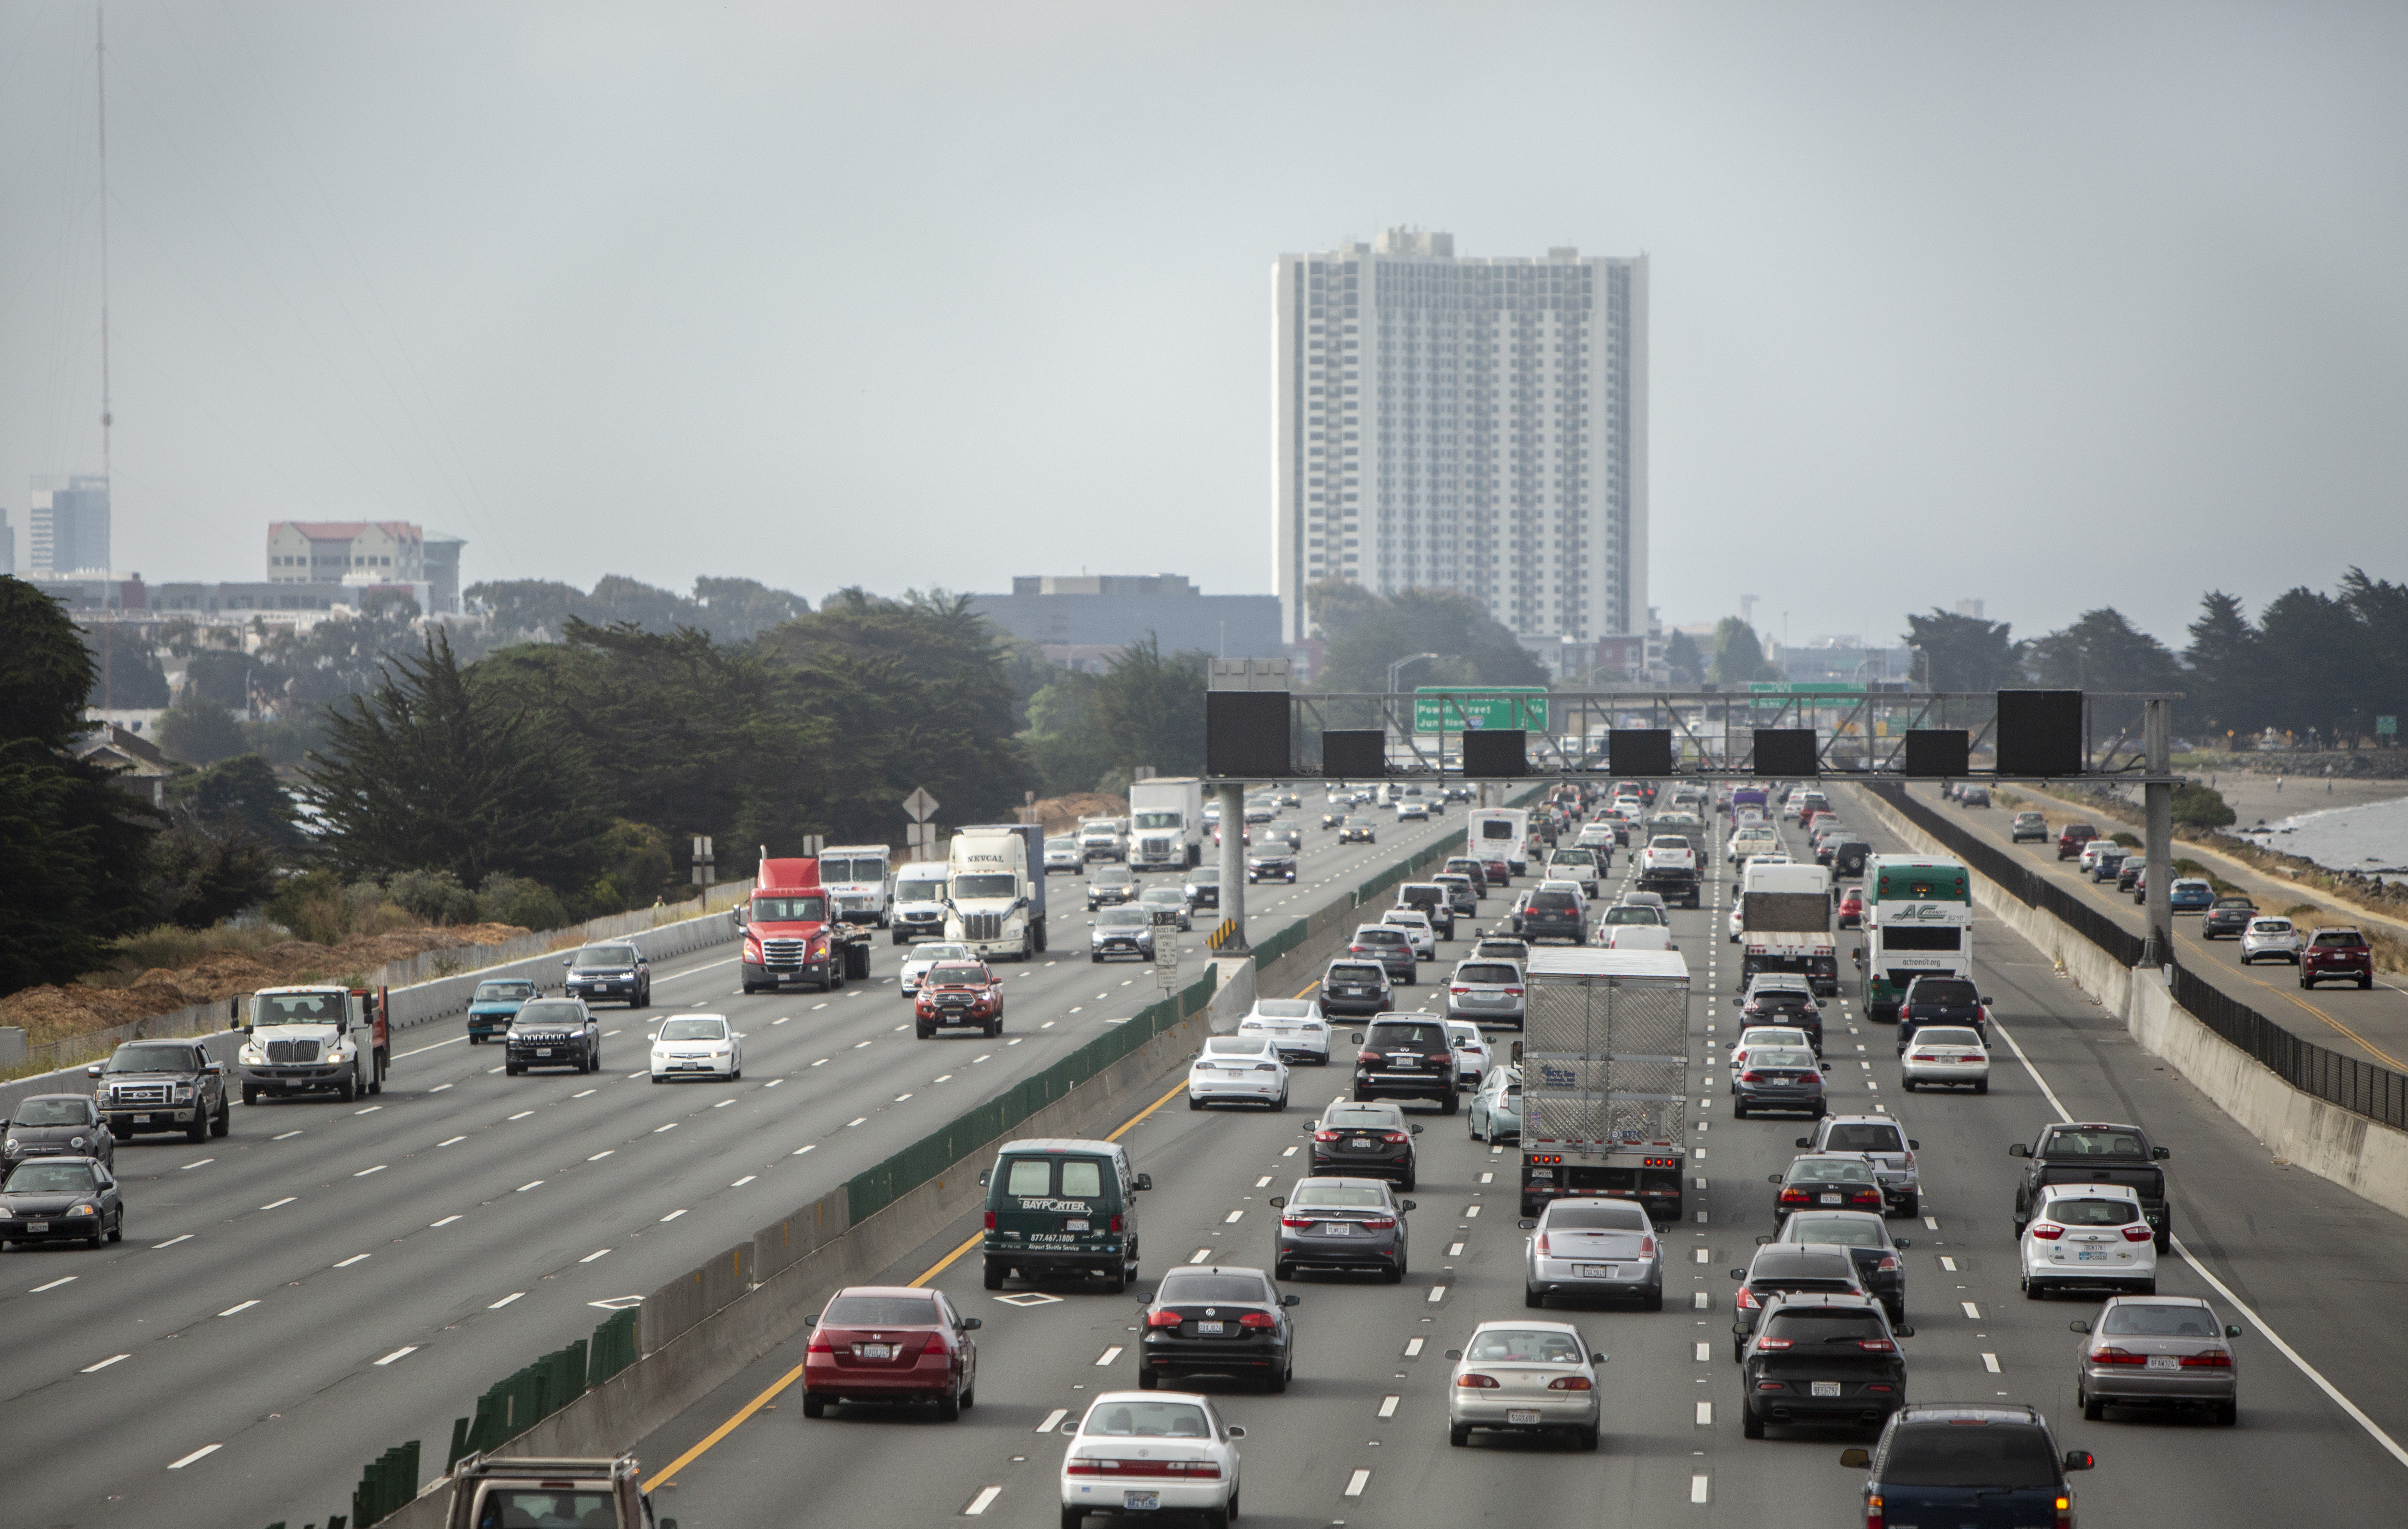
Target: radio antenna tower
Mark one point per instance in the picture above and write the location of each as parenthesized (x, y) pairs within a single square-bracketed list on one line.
[(100, 60)]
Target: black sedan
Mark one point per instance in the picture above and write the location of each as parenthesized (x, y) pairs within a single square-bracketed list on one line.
[(1826, 1181), (1358, 831), (1220, 1322), (58, 1125), (1780, 1078), (61, 1199), (1352, 1225), (2228, 919), (1365, 1141), (1866, 1236)]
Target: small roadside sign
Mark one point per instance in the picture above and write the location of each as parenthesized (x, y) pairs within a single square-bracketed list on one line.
[(919, 806), (2387, 726)]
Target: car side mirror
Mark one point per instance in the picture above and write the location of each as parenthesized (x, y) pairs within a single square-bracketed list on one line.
[(1290, 1300), (1145, 1181), (971, 1324), (1904, 1243), (565, 960), (2232, 1329), (1988, 999), (1237, 1431), (1358, 1037), (1527, 1223), (1773, 1178), (1417, 1130), (2077, 1325), (1407, 1204), (810, 1321), (1805, 1141), (1855, 1460), (1739, 1273), (245, 1027), (2080, 1460), (93, 1071), (669, 1523), (2019, 1150), (1761, 1240), (982, 1173), (1912, 1145), (2159, 1154), (1599, 1358), (1902, 1332), (1455, 1353), (1278, 1202), (1823, 1066), (215, 1069)]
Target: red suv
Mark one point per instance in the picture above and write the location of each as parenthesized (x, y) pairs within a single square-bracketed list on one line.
[(2337, 952), (2071, 838), (890, 1343)]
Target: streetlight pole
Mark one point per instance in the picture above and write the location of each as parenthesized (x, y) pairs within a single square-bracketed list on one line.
[(1398, 668)]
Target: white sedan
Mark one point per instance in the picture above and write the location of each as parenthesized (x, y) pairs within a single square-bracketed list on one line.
[(697, 1046), (1526, 1376), (1758, 1038), (2089, 1235), (1237, 1070), (1418, 932), (1140, 1453), (922, 957), (1948, 1055), (1294, 1026), (2269, 940), (1472, 1058)]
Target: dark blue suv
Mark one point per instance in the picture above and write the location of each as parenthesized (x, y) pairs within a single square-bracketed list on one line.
[(1969, 1465)]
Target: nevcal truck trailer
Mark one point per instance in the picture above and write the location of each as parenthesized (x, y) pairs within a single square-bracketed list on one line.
[(791, 934), (996, 897), (1605, 1078), (1918, 923), (1166, 824), (1499, 840), (1785, 924), (855, 875)]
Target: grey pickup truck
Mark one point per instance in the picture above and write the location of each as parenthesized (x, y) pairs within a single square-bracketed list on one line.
[(2093, 1152)]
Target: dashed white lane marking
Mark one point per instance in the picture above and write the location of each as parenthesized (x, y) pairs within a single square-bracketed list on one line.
[(1931, 1221), (490, 1071), (452, 1142), (1109, 1355), (445, 1221), (777, 1021), (1413, 1347), (855, 1120), (202, 1453), (659, 1129), (1698, 1488), (900, 1097), (243, 1307), (773, 1082), (506, 1300), (1990, 1362), (801, 1151), (1356, 1482), (399, 1353), (1971, 1310), (1290, 1152), (946, 1079), (1388, 1406), (286, 1136), (354, 1259), (1470, 1211), (821, 1063), (364, 1172), (1052, 1418), (1705, 1351), (1947, 1263), (583, 1093), (1487, 1177), (112, 1358), (1233, 1218), (273, 1204), (439, 1088), (646, 1073), (1438, 1293), (196, 1163), (1697, 1301), (55, 1284), (980, 1503), (595, 1254), (723, 1104), (1200, 1255), (674, 1214), (858, 1045), (1705, 1414), (1455, 1251), (603, 1153), (1704, 1255), (370, 1110), (1047, 1025), (532, 1183), (1264, 1180)]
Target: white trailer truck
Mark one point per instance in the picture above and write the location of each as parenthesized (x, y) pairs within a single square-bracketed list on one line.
[(1166, 824), (1605, 1078)]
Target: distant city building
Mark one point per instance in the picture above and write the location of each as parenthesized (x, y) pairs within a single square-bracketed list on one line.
[(1970, 607), (68, 526), (1845, 658), (8, 544), (442, 554), (96, 595), (1474, 424), (331, 551), (1093, 613), (237, 598)]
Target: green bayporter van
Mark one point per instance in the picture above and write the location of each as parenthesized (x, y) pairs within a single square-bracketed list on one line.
[(1060, 1206)]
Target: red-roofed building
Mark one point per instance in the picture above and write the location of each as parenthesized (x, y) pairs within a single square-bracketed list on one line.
[(333, 551)]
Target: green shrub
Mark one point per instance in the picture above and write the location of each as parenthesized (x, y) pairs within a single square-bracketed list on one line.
[(435, 896), (2202, 807), (510, 899)]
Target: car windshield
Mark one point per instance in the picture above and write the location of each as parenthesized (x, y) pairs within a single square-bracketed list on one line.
[(2188, 885), (956, 974), (1234, 1046), (1946, 1035), (789, 909), (1204, 877), (1771, 1038), (2271, 927), (54, 1113), (2241, 903), (1161, 896), (154, 1059), (990, 884), (1566, 1217), (880, 1311), (1848, 1231), (930, 953), (1403, 1037), (1145, 1419), (1552, 902), (920, 889), (1157, 820), (2070, 1212), (1816, 1324), (2007, 1455), (1519, 1345), (1950, 992), (1179, 1287), (1365, 1117), (52, 1179), (2339, 939), (544, 1508), (1284, 1008), (554, 1012), (1863, 1139), (1115, 874), (1337, 1195), (301, 1008), (1376, 935), (1632, 913), (1119, 917), (2141, 1319), (695, 1030), (503, 992), (1573, 857), (1783, 1057)]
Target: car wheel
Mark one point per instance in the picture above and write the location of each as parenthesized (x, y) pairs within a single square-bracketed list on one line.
[(1912, 1207), (948, 1406), (1749, 1424), (1194, 1103), (1406, 1183), (1533, 1297), (218, 1124), (1073, 1518), (925, 1031), (116, 1232), (1739, 1111), (2364, 984), (2227, 1414), (1147, 1379), (1458, 1434), (2092, 1408), (1097, 957), (199, 1129), (1278, 1105), (1585, 1438), (1982, 1086), (1283, 1271), (660, 1078), (509, 1069), (814, 1406), (2033, 1291), (1276, 1383), (1654, 1298), (1451, 1104), (1216, 1518), (737, 1075)]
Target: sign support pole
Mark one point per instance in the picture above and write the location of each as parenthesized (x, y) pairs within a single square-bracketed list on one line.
[(2157, 805), (1233, 863)]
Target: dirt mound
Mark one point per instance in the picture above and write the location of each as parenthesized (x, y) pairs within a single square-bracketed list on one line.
[(48, 1013), (1061, 814)]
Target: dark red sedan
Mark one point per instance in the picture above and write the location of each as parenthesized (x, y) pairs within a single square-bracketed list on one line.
[(890, 1343), (1852, 908)]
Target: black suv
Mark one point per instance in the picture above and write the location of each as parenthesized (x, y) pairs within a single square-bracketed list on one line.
[(610, 971), (552, 1033), (1405, 1059), (1822, 1359), (161, 1085), (1554, 915), (1863, 1233), (1955, 1461), (1787, 1268), (1942, 1000)]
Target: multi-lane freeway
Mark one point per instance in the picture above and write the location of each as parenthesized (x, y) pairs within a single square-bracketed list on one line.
[(1359, 1439), (331, 1280)]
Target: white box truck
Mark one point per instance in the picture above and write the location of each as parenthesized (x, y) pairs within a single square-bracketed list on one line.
[(1166, 824), (1499, 840), (1785, 924), (855, 875), (1605, 1078)]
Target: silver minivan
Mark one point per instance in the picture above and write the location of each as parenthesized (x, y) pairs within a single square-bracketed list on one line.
[(1485, 992)]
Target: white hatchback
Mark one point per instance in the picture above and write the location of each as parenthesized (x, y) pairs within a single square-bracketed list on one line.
[(1948, 1055), (1237, 1070), (1472, 1058), (2269, 940), (1141, 1454), (696, 1046), (922, 957), (2089, 1235), (1294, 1026)]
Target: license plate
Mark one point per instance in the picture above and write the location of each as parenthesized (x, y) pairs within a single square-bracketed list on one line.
[(1360, 1144), (1140, 1502), (878, 1351), (1336, 1229), (1210, 1329), (2088, 1257), (1522, 1415), (37, 1226), (1831, 1199), (1824, 1388), (543, 1050), (1074, 1226), (141, 1119), (2164, 1362), (1594, 1271)]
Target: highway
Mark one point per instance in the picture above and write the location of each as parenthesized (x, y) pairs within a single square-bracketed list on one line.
[(1361, 1439), (331, 1280)]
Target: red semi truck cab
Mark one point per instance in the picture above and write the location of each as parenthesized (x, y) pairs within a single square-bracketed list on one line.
[(789, 936)]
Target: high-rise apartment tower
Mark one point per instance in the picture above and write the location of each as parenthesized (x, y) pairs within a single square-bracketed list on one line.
[(1476, 424)]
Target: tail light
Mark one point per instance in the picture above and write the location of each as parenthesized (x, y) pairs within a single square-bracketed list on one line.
[(1571, 1382), (1751, 1077), (1395, 1138), (2119, 1356), (1258, 1320), (1795, 1197), (1877, 1346), (2214, 1359), (935, 1343), (1381, 1223), (990, 1220), (1434, 1058), (1775, 1343), (1162, 1319), (1888, 1264), (1325, 1136), (1512, 993), (2065, 1513), (1458, 990), (1543, 1245), (1865, 1196), (819, 1344), (1906, 1011), (1116, 1223), (1368, 1058), (1293, 1225), (2047, 1231), (2138, 1234), (1873, 1514), (1746, 1300), (1646, 1247), (1477, 1383)]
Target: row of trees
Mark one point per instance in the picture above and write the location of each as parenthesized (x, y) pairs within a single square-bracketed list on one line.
[(2310, 664)]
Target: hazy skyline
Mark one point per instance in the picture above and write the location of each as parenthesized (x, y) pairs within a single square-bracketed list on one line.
[(2054, 307)]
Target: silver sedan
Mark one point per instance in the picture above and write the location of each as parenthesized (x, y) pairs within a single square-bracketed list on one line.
[(2269, 940), (1524, 1377), (1593, 1247), (2157, 1351)]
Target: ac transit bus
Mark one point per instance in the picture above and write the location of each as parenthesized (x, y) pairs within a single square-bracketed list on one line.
[(1918, 923)]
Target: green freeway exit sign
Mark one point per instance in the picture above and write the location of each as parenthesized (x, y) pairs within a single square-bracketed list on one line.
[(1450, 709), (2388, 726)]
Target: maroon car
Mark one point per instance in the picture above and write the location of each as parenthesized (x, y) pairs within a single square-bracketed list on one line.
[(2071, 838), (2336, 953), (890, 1343)]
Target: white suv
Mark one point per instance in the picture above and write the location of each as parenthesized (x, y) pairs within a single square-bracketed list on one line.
[(2089, 1235)]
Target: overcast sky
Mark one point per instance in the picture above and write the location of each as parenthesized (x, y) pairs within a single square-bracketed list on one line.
[(2053, 306)]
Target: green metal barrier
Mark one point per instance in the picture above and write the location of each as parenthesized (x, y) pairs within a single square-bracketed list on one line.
[(611, 1348), (512, 1406), (387, 1485)]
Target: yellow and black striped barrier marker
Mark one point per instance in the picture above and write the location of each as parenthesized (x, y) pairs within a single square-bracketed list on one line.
[(1223, 935)]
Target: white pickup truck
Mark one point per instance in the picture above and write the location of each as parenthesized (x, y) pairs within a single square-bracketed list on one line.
[(1669, 867)]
